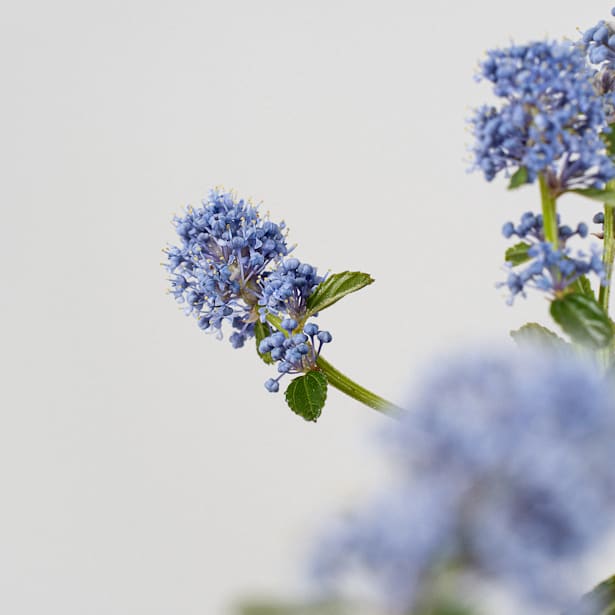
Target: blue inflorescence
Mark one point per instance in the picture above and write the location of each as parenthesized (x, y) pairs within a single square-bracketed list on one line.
[(287, 289), (230, 267), (600, 43), (551, 120), (550, 269), (226, 246), (295, 353), (504, 464)]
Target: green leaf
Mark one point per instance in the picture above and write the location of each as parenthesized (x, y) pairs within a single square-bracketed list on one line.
[(308, 608), (532, 334), (306, 395), (261, 331), (600, 601), (518, 178), (517, 254), (583, 286), (609, 139), (583, 319), (604, 196), (335, 287)]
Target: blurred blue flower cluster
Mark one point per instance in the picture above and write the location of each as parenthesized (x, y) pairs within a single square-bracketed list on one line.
[(504, 467)]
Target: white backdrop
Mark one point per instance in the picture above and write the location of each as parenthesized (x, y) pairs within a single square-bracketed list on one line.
[(144, 469)]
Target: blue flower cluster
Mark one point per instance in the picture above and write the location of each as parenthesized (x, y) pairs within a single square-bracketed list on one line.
[(550, 122), (231, 267), (226, 247), (550, 269), (600, 43), (295, 353), (504, 463), (288, 288)]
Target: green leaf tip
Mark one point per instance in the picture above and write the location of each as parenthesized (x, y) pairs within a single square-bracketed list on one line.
[(600, 601), (518, 178), (532, 334), (261, 331), (517, 254), (603, 196), (581, 317), (306, 395), (335, 287)]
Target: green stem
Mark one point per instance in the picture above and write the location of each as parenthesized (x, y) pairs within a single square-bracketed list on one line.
[(549, 214), (608, 255), (344, 384), (354, 390)]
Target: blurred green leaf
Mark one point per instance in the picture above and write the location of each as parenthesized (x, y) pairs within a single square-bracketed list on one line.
[(518, 178), (583, 319), (600, 601), (517, 254), (261, 331), (533, 334)]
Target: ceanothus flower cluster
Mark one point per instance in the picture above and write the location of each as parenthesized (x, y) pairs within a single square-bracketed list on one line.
[(288, 288), (226, 247), (549, 269), (600, 43), (550, 122), (295, 353), (504, 463), (230, 267)]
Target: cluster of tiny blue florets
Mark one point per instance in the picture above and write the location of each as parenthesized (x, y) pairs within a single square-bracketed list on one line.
[(288, 288), (503, 465), (551, 121), (600, 43), (230, 267), (295, 353), (226, 246), (549, 269)]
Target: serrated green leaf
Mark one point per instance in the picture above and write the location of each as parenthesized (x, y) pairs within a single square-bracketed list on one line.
[(308, 608), (609, 139), (261, 331), (335, 287), (533, 334), (600, 601), (583, 319), (603, 196), (306, 395), (517, 254), (518, 178), (583, 286)]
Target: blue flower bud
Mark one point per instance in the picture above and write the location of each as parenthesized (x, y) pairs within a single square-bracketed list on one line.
[(508, 230), (273, 386), (325, 337), (284, 367), (265, 346), (289, 324), (277, 353), (277, 339), (310, 329)]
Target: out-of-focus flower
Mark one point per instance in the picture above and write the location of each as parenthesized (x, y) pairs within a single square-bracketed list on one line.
[(504, 468)]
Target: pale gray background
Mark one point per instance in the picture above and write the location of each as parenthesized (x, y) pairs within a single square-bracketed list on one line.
[(143, 467)]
